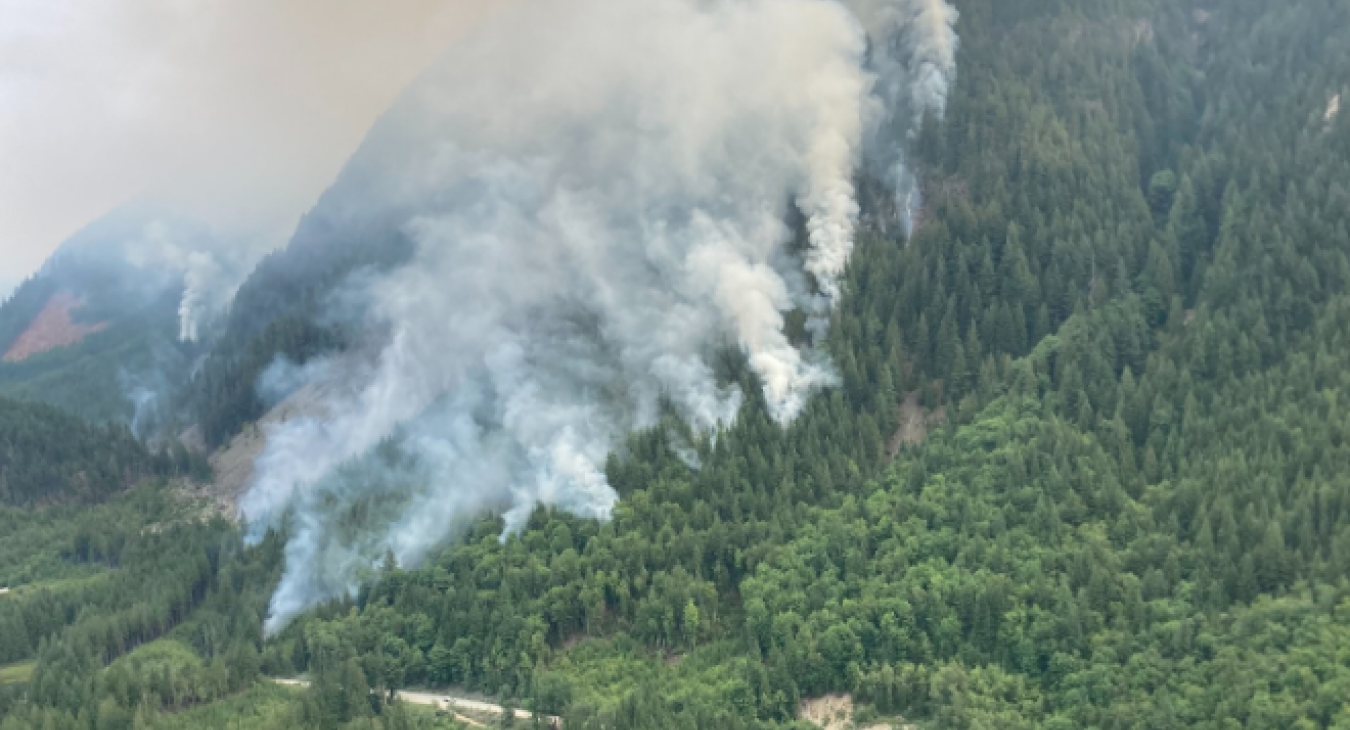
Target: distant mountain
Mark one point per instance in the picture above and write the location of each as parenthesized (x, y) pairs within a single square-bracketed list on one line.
[(97, 330)]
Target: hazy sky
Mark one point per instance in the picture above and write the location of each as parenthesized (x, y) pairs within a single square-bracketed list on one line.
[(240, 110)]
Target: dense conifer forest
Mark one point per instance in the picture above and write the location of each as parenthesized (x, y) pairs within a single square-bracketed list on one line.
[(127, 353), (1086, 467), (48, 456)]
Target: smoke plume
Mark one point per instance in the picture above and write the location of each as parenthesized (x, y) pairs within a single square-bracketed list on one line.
[(200, 282), (913, 53), (147, 384), (601, 190), (209, 267)]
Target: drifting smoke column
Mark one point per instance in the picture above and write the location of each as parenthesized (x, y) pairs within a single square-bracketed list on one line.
[(932, 37), (913, 53), (596, 192), (597, 196), (212, 273), (198, 302), (173, 251)]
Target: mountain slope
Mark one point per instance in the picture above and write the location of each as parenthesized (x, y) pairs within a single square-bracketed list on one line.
[(1136, 515), (48, 456), (53, 327), (1128, 300), (96, 331), (286, 306)]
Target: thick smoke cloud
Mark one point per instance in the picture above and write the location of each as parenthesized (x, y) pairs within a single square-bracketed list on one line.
[(602, 190)]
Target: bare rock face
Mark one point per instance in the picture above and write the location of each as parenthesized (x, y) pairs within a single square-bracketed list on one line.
[(234, 463)]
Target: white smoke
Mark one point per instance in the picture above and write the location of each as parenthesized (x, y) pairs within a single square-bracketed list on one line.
[(283, 378), (147, 384), (144, 402), (913, 52), (211, 268), (603, 188), (933, 42), (203, 292)]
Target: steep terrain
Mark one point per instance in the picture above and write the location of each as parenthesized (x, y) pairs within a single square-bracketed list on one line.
[(1130, 307), (52, 328), (233, 465), (96, 331), (47, 456)]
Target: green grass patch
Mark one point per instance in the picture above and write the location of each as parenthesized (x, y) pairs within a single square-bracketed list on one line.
[(425, 717), (601, 672), (16, 673), (158, 655), (77, 578), (264, 706)]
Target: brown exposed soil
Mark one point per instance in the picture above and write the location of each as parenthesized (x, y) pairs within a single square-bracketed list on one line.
[(233, 468), (234, 463), (835, 712), (832, 712), (914, 423), (913, 426), (52, 328), (936, 192)]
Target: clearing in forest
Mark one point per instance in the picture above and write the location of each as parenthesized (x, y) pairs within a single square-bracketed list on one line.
[(16, 673), (52, 328), (835, 712)]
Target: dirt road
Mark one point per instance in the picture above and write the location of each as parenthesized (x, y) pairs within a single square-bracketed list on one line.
[(440, 700), (458, 703)]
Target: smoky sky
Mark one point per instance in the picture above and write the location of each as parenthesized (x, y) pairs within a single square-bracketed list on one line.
[(239, 112)]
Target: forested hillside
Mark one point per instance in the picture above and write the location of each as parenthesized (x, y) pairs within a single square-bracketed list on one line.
[(169, 604), (1126, 320), (122, 374), (122, 359), (1127, 297), (280, 309), (49, 457)]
